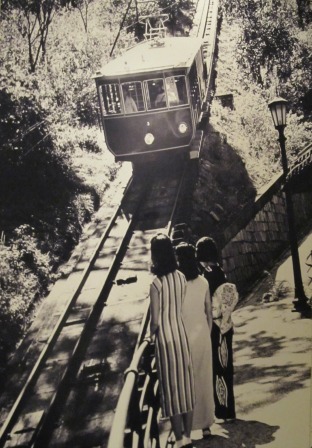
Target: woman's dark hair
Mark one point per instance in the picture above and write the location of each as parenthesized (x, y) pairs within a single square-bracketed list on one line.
[(206, 250), (187, 260), (163, 256)]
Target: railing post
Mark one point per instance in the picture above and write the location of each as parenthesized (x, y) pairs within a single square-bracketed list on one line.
[(152, 396), (135, 422)]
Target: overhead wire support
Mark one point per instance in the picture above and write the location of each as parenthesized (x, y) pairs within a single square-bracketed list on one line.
[(120, 28), (137, 17)]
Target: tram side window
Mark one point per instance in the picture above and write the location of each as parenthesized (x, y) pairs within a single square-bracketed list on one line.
[(194, 84), (133, 97), (156, 97), (110, 99), (176, 90)]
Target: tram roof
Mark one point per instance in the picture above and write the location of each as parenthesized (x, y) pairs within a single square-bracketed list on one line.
[(174, 52)]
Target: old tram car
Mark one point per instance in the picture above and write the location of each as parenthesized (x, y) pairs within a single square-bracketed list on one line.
[(152, 98)]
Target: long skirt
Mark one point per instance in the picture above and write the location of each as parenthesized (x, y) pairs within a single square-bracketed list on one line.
[(223, 373)]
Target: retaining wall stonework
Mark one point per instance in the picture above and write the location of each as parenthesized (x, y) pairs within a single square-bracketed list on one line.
[(260, 235)]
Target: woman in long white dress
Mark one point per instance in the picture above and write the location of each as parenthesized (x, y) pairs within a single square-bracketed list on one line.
[(197, 317)]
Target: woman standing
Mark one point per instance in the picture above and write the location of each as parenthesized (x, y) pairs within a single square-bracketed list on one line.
[(208, 259), (197, 315), (173, 359), (224, 298)]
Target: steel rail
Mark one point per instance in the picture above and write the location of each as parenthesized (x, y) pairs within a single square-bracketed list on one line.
[(11, 417), (130, 375), (206, 28), (203, 6), (75, 359), (117, 433)]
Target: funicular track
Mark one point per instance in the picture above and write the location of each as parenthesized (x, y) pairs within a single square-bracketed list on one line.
[(66, 360), (78, 313), (205, 26), (136, 422), (78, 367)]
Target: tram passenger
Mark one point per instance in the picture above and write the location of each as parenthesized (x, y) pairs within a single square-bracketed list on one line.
[(160, 100), (130, 104), (172, 97), (172, 91), (197, 316), (224, 298), (173, 359)]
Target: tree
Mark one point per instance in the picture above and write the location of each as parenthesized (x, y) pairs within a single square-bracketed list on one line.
[(35, 19), (304, 13), (268, 37), (179, 14), (83, 8)]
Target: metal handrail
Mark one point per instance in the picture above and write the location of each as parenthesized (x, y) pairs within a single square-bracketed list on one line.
[(302, 159), (129, 394), (304, 150), (116, 438), (130, 398)]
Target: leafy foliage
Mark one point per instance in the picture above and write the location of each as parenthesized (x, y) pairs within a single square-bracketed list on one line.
[(34, 20), (248, 127), (37, 183), (272, 49), (47, 116), (180, 13), (22, 125), (83, 8), (24, 275)]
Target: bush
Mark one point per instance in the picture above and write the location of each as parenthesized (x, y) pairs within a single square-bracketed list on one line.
[(18, 287), (249, 128), (68, 140)]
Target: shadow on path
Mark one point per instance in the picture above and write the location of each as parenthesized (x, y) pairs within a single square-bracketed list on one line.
[(240, 434)]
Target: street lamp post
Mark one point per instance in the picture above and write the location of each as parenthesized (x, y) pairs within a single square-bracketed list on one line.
[(278, 111)]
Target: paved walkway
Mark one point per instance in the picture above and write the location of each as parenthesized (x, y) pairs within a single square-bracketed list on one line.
[(272, 356)]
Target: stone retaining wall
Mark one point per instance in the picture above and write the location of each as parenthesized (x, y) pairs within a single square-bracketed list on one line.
[(260, 235)]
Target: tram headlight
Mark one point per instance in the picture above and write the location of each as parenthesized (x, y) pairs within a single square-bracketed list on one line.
[(182, 127), (149, 138)]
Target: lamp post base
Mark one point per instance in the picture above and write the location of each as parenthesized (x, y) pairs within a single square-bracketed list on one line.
[(301, 306)]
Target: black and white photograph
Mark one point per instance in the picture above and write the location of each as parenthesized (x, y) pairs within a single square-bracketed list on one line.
[(155, 223)]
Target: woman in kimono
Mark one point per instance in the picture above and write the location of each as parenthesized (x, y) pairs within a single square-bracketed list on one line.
[(224, 298)]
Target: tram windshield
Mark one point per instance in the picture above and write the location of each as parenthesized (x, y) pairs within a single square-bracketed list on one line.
[(156, 97), (176, 90), (128, 97), (170, 93), (132, 97)]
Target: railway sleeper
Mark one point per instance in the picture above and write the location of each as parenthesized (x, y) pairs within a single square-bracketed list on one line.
[(75, 322), (24, 432), (93, 368)]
